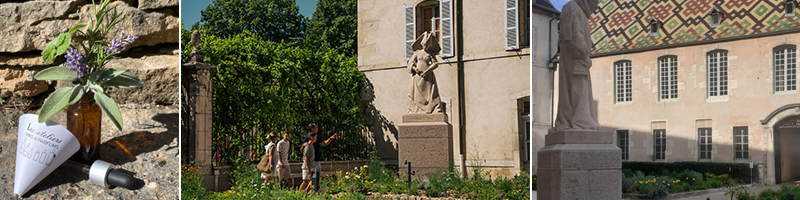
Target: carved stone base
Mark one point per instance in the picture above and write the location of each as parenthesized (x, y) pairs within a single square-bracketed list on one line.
[(579, 165), (425, 140)]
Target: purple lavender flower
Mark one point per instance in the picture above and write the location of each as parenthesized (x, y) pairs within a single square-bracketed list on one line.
[(117, 45), (76, 62)]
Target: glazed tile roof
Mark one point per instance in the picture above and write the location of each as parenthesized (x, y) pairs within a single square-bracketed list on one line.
[(622, 24)]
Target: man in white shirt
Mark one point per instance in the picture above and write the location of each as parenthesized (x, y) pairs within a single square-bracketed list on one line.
[(284, 172)]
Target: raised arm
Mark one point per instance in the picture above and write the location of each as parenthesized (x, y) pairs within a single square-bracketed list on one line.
[(328, 141)]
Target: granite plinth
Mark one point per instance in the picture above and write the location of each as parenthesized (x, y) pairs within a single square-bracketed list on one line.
[(425, 140), (571, 166)]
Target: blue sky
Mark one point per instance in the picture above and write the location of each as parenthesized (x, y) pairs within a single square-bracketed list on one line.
[(190, 10), (558, 3)]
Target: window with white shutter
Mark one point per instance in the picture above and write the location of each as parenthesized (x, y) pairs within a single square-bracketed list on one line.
[(446, 20), (411, 28), (512, 25)]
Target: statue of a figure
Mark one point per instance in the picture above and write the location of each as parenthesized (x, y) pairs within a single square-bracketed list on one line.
[(575, 86), (424, 90), (196, 56)]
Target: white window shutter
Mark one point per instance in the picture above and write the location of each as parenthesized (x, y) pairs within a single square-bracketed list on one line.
[(512, 23), (411, 28), (446, 18)]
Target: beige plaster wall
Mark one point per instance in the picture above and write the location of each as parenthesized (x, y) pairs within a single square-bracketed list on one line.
[(494, 80), (751, 98), (542, 81)]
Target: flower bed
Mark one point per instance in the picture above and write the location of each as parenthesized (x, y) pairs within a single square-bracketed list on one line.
[(667, 182), (786, 192), (362, 181)]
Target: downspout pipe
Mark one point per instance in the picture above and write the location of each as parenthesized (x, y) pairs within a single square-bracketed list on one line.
[(462, 116), (552, 67)]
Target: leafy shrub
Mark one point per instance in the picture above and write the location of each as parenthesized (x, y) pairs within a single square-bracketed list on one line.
[(191, 182), (737, 171), (627, 185), (658, 191), (674, 182), (262, 86)]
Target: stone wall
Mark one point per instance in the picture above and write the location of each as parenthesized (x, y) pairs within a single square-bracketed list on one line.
[(26, 27)]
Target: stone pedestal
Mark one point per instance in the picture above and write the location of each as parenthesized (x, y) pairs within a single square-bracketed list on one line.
[(196, 111), (579, 165), (425, 140)]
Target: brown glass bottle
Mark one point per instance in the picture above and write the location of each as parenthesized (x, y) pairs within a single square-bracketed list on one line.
[(83, 120)]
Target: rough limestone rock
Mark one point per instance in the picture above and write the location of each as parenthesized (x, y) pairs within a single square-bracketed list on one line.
[(159, 73), (18, 82), (24, 60), (27, 27), (32, 25), (156, 4)]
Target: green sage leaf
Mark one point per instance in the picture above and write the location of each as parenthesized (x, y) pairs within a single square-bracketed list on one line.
[(104, 75), (96, 88), (124, 80), (54, 103), (110, 108), (76, 94), (56, 47), (56, 73), (76, 27)]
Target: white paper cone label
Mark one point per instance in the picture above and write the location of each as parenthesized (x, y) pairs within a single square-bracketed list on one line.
[(41, 148)]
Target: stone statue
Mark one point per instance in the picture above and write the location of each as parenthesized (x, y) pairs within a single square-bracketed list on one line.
[(424, 90), (196, 56), (575, 86)]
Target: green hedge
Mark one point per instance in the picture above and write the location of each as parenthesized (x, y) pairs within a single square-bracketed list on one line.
[(738, 171)]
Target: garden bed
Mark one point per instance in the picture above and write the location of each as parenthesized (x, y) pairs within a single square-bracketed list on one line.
[(679, 195), (372, 180), (661, 185)]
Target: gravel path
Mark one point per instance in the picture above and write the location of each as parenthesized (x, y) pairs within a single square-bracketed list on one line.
[(147, 148)]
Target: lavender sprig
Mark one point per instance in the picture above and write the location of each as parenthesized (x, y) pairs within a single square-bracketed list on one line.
[(76, 62), (117, 45)]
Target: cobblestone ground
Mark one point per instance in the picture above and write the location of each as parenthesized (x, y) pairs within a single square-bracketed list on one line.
[(146, 148)]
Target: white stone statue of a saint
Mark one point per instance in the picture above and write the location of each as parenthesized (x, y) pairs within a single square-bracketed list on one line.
[(424, 90), (575, 110)]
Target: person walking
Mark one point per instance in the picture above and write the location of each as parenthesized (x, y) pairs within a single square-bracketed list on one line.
[(271, 152), (307, 167), (283, 169), (312, 128)]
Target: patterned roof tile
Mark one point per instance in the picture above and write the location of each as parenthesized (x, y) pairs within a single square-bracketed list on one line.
[(622, 24)]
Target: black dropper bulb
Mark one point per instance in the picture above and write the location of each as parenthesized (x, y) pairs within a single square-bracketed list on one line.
[(100, 173)]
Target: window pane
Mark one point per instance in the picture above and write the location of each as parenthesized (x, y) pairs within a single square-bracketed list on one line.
[(426, 13)]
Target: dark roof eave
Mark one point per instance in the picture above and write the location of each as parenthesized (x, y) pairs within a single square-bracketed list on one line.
[(547, 10)]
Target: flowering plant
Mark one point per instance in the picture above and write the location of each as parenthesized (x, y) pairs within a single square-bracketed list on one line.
[(87, 70)]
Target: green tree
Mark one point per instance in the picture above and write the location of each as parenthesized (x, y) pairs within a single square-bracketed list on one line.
[(271, 20), (334, 24), (280, 86)]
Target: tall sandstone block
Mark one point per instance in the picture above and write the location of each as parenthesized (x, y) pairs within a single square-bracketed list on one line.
[(425, 140)]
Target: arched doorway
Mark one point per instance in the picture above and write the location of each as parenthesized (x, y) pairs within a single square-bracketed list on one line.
[(787, 155)]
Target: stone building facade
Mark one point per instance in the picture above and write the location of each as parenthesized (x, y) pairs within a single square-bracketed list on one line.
[(483, 75), (701, 81)]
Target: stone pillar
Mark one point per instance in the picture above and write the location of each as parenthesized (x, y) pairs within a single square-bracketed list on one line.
[(579, 165), (425, 140), (196, 112)]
